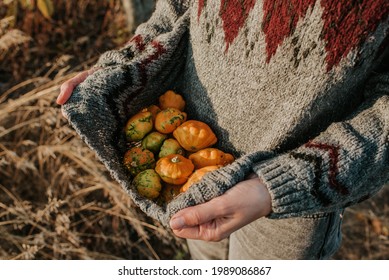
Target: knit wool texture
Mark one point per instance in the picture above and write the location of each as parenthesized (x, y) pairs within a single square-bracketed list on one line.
[(291, 88)]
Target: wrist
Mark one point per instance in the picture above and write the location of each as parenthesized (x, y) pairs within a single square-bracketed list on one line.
[(265, 198), (257, 197)]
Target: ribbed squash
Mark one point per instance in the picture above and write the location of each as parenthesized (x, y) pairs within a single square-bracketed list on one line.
[(174, 169), (210, 156), (197, 176), (138, 126), (170, 146), (194, 135), (170, 99), (169, 119), (138, 159), (148, 183)]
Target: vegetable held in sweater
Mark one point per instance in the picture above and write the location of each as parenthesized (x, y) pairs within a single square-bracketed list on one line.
[(197, 175), (148, 183), (170, 99), (171, 146), (138, 159), (169, 119), (154, 110), (209, 157), (138, 126), (194, 135), (153, 141), (172, 167)]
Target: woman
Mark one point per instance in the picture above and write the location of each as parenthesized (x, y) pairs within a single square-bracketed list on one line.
[(302, 81)]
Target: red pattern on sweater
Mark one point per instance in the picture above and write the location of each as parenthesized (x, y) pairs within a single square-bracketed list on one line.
[(347, 25), (202, 3), (333, 153), (234, 14), (139, 43), (159, 50), (142, 68), (280, 19)]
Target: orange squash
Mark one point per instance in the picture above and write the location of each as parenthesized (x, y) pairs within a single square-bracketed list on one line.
[(210, 156), (194, 135), (154, 110), (170, 99), (174, 169), (138, 126), (197, 176), (169, 119), (138, 159)]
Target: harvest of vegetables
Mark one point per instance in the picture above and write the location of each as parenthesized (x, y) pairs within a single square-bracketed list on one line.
[(168, 152)]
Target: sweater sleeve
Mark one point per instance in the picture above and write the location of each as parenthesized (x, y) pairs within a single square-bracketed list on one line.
[(163, 26), (346, 164), (129, 80)]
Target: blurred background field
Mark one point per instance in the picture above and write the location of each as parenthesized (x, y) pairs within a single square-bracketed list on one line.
[(56, 199)]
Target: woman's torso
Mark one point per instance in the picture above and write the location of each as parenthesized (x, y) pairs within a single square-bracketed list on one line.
[(271, 74)]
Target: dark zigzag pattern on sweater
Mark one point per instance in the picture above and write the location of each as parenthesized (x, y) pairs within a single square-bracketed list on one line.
[(134, 47), (142, 68), (317, 166), (333, 153)]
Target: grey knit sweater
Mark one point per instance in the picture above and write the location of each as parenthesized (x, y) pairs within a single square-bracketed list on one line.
[(294, 89)]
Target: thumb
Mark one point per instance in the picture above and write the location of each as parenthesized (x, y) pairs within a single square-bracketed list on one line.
[(68, 86), (197, 215)]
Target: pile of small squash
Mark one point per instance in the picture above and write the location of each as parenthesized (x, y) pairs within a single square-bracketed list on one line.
[(169, 153)]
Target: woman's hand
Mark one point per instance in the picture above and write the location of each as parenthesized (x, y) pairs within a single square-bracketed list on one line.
[(219, 217), (68, 86)]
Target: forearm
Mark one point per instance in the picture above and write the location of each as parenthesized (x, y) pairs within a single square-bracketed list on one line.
[(345, 164)]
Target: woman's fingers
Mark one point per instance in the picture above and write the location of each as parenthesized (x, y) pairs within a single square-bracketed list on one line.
[(68, 86), (219, 217), (198, 214), (207, 231), (203, 221)]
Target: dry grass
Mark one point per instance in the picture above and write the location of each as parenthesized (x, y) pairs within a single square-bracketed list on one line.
[(80, 29), (366, 229), (56, 199)]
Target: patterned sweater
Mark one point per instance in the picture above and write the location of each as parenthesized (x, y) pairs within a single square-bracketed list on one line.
[(296, 90)]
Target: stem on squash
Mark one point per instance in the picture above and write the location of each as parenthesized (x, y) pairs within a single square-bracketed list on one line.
[(175, 159)]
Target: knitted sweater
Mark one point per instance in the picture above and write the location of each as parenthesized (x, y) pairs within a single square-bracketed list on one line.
[(293, 89)]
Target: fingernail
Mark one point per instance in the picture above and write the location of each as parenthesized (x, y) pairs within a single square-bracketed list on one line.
[(177, 223), (59, 97)]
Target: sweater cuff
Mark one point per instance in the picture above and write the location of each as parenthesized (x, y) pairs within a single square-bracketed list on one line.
[(291, 186)]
